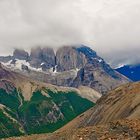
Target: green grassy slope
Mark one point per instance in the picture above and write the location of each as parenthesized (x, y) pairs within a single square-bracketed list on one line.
[(9, 126), (43, 113)]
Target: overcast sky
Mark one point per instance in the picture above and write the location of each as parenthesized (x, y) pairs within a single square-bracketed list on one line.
[(110, 27)]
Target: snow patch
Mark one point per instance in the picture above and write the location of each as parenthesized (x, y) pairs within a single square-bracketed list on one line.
[(18, 65), (120, 66), (42, 64), (99, 60), (77, 69), (55, 69)]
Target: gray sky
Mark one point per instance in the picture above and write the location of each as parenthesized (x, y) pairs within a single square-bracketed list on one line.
[(111, 27)]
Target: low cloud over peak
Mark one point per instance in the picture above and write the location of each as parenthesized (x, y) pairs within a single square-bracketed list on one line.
[(110, 27)]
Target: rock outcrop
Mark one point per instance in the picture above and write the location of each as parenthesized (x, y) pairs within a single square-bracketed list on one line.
[(42, 58), (36, 57), (48, 58), (68, 58), (20, 54)]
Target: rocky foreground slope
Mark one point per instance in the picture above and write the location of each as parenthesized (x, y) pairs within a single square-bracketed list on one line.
[(115, 116), (70, 66), (28, 107)]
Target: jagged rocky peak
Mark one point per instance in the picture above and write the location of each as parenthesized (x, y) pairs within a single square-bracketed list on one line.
[(36, 53), (71, 66), (95, 62), (36, 57), (48, 58), (42, 58), (96, 73), (68, 58), (87, 51), (90, 55), (76, 57), (20, 54)]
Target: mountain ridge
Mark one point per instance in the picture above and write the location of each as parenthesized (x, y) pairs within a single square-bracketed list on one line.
[(72, 66)]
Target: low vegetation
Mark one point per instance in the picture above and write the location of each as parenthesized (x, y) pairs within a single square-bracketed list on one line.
[(43, 113)]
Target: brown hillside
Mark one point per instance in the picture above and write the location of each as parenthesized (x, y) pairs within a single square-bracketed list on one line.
[(115, 117)]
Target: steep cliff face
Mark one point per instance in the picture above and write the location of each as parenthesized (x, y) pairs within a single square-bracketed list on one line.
[(92, 70), (20, 54), (96, 73), (36, 57), (68, 58), (48, 58), (72, 66), (43, 58)]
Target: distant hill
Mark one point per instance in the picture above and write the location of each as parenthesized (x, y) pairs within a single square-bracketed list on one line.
[(130, 71)]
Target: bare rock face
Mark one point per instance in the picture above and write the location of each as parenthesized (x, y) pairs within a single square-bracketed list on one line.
[(20, 54), (48, 57), (77, 66), (5, 59), (42, 58), (24, 68), (68, 58), (72, 66), (36, 57), (96, 73)]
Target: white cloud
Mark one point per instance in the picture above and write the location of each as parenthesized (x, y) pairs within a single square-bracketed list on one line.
[(110, 26)]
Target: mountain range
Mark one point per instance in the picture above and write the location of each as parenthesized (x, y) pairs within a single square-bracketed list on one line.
[(70, 66), (70, 94)]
